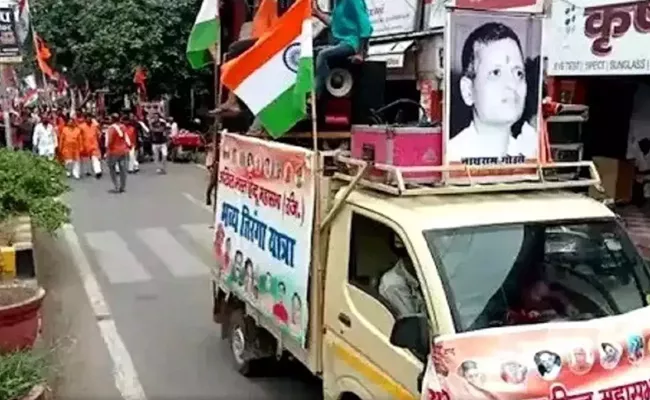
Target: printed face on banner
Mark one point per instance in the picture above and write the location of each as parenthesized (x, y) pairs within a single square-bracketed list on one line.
[(604, 359), (265, 209), (602, 37), (493, 88)]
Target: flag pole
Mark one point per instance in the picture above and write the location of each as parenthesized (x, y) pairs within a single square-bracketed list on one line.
[(216, 135), (5, 107), (317, 264)]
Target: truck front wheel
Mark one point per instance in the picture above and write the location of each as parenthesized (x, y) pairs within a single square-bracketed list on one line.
[(240, 342)]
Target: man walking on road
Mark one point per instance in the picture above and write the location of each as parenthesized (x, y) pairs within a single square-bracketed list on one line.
[(132, 132), (90, 147), (159, 129), (45, 138), (71, 144), (118, 145)]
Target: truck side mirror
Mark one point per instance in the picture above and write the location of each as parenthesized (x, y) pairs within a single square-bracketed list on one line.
[(411, 332)]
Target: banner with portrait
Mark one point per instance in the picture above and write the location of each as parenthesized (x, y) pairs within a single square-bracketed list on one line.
[(603, 359), (263, 227), (493, 89), (599, 37)]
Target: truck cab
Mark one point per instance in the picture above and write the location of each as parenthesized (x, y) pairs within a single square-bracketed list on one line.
[(479, 261)]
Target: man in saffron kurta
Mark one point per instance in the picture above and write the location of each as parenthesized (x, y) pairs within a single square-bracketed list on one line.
[(132, 132), (71, 145), (59, 124), (90, 147)]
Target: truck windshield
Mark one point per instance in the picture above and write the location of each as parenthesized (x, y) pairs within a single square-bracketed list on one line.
[(538, 272)]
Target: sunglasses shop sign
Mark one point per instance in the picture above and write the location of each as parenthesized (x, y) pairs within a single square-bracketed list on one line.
[(599, 38)]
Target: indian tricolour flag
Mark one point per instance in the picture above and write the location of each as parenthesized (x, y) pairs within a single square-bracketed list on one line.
[(201, 47), (274, 77)]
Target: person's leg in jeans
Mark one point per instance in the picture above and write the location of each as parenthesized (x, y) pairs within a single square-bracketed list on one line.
[(122, 161), (112, 162), (163, 158), (324, 56), (234, 50)]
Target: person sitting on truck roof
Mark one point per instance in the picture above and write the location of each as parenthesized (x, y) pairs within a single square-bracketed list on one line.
[(399, 285), (350, 27), (265, 18), (494, 86)]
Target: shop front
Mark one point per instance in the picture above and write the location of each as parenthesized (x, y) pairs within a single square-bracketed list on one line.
[(599, 55)]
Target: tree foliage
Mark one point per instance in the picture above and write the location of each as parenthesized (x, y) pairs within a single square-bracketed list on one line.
[(102, 42)]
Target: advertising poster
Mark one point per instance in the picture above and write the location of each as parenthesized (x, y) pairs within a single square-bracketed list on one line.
[(604, 359), (390, 17), (9, 43), (493, 89), (599, 37), (263, 227), (437, 8)]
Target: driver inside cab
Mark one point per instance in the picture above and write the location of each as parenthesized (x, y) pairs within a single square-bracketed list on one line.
[(399, 286), (539, 302)]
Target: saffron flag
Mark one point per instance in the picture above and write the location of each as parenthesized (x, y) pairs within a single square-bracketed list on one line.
[(43, 54), (201, 46), (274, 77), (140, 80)]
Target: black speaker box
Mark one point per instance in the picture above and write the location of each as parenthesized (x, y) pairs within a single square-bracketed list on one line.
[(369, 90)]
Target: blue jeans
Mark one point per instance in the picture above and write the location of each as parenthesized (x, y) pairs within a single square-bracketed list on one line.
[(323, 56)]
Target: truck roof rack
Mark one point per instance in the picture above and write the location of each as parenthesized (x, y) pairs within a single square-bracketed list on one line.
[(395, 183)]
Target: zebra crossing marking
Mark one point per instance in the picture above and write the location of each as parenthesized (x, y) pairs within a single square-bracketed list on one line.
[(178, 260), (115, 259), (200, 233)]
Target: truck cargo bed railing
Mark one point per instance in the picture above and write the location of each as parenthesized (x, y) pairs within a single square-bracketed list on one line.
[(544, 176)]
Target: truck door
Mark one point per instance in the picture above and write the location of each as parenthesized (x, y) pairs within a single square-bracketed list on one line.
[(358, 356)]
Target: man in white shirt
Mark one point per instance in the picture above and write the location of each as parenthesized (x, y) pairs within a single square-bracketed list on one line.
[(45, 140), (494, 86), (173, 127), (399, 285)]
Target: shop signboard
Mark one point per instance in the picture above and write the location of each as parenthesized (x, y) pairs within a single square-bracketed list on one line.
[(263, 228), (392, 17), (598, 359), (437, 14), (493, 91), (599, 38), (9, 43)]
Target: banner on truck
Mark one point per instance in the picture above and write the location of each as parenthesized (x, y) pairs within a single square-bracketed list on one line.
[(263, 227), (604, 359), (588, 37), (493, 88)]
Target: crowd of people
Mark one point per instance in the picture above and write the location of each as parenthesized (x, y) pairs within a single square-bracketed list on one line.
[(80, 141)]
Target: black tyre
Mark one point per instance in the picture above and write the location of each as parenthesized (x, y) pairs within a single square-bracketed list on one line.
[(239, 340)]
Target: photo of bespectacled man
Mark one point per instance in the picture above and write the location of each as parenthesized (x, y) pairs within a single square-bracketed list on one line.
[(494, 87)]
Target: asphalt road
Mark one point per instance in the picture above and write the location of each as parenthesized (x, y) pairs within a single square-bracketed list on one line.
[(147, 253)]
